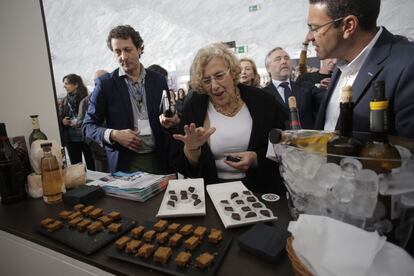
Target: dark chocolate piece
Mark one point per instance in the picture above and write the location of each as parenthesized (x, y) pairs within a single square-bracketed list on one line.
[(251, 215), (197, 201), (257, 205), (247, 193), (265, 213), (184, 197), (233, 195), (183, 192), (194, 196), (239, 202), (171, 192), (224, 202), (171, 203), (228, 208), (246, 209), (191, 189), (235, 216), (174, 197), (251, 199)]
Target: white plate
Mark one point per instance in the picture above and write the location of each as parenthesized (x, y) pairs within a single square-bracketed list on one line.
[(183, 209), (218, 192)]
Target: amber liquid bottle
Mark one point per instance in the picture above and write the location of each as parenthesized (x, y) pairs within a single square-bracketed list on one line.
[(12, 175), (344, 144), (306, 139), (294, 114), (378, 154), (52, 180), (302, 65), (36, 134)]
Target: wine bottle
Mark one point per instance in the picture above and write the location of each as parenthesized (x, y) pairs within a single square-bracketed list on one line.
[(344, 144), (378, 154), (306, 139), (52, 180), (36, 134), (302, 65), (294, 114), (12, 176), (166, 104)]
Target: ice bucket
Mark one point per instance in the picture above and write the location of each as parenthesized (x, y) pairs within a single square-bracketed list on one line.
[(348, 192)]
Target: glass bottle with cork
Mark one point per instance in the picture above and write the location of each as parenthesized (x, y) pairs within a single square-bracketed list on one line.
[(309, 140), (294, 114), (302, 65), (344, 144), (36, 134), (12, 175), (52, 180)]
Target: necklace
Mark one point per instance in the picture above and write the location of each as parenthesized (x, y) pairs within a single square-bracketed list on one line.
[(232, 108)]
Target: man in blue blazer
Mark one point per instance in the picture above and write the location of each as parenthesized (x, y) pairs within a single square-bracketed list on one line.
[(123, 112), (347, 30), (308, 97)]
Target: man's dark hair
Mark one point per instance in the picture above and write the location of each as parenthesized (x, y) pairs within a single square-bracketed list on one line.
[(125, 32), (366, 11), (157, 68)]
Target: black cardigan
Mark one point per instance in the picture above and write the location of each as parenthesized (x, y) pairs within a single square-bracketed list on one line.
[(266, 114)]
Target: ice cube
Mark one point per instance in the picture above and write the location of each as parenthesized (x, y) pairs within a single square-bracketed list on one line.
[(344, 190), (404, 153), (397, 183), (328, 175), (350, 166), (407, 199), (311, 164)]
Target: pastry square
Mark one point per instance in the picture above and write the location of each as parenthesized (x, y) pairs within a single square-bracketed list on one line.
[(183, 258), (162, 254), (136, 232), (122, 241), (204, 260), (186, 229), (160, 225)]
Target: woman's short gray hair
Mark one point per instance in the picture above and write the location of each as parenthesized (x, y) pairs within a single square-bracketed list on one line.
[(204, 56)]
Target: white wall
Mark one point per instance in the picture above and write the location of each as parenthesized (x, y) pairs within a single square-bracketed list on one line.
[(173, 30), (25, 78)]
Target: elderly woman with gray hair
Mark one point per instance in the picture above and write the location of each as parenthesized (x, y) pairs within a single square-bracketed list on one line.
[(225, 126)]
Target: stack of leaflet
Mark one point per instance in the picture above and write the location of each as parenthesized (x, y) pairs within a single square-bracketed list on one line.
[(138, 186)]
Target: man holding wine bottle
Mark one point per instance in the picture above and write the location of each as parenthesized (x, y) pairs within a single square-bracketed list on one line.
[(128, 100), (279, 67), (347, 30)]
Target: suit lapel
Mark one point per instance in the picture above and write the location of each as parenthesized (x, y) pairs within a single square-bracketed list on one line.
[(372, 66), (273, 88), (124, 95)]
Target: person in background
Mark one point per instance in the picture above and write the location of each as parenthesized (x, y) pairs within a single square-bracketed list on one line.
[(279, 66), (249, 75), (68, 113), (322, 77), (159, 69), (98, 153), (225, 125), (180, 101), (127, 100), (347, 30)]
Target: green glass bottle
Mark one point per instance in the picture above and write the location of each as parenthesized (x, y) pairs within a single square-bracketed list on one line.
[(36, 134), (344, 144)]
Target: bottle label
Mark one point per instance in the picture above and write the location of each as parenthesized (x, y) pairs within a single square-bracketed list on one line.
[(378, 120)]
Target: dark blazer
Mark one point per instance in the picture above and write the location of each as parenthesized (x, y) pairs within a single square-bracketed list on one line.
[(308, 98), (110, 102), (266, 114), (390, 60)]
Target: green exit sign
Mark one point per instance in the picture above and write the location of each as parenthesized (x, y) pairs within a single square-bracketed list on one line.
[(241, 49), (254, 8)]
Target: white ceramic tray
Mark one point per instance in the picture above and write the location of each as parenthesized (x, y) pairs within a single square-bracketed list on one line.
[(223, 191), (183, 208)]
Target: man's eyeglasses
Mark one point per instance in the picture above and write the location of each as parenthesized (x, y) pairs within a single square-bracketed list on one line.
[(317, 28), (219, 76)]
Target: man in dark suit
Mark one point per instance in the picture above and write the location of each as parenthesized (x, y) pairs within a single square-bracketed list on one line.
[(348, 30), (128, 100), (279, 67)]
